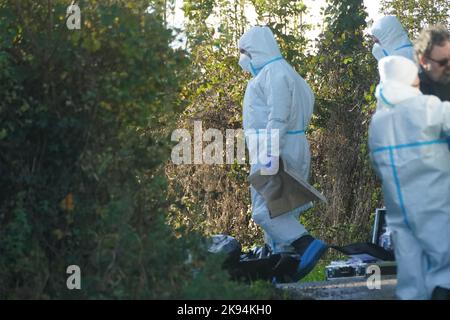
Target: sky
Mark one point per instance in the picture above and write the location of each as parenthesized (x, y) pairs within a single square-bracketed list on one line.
[(313, 17)]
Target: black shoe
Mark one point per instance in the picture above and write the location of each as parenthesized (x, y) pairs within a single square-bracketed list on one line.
[(440, 293)]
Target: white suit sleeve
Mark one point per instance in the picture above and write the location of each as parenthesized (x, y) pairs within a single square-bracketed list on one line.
[(279, 99)]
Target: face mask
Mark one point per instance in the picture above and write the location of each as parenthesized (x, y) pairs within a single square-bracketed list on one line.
[(245, 62)]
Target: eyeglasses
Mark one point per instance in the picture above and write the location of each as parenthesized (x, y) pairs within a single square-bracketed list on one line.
[(442, 63)]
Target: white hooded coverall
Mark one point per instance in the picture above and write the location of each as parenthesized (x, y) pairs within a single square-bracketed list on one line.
[(393, 39), (411, 156), (277, 97)]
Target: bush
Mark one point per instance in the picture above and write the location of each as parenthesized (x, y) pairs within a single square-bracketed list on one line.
[(84, 117)]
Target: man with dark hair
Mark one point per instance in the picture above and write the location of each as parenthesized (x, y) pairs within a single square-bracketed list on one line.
[(433, 55)]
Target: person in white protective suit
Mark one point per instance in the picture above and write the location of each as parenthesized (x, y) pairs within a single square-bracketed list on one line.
[(391, 39), (277, 97), (409, 151)]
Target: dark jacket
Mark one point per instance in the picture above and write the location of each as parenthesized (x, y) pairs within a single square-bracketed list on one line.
[(430, 87)]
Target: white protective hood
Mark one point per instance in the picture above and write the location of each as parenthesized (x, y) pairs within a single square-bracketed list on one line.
[(397, 74), (260, 43), (393, 37)]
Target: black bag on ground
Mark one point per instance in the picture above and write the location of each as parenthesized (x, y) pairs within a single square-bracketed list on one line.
[(257, 264)]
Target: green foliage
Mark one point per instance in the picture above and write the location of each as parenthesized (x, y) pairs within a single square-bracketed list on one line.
[(209, 283), (343, 74), (83, 120), (286, 20), (318, 273), (418, 14)]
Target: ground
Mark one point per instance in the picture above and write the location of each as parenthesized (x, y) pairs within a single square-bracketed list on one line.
[(342, 289)]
